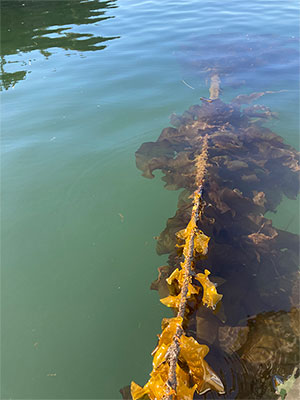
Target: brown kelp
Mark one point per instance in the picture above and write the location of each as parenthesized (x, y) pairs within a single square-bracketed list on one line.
[(238, 59), (179, 368), (253, 332)]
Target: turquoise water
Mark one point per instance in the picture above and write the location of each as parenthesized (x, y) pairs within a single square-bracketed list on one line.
[(84, 84)]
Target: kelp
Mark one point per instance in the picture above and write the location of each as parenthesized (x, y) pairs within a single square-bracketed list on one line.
[(210, 295), (238, 59), (179, 368), (253, 333)]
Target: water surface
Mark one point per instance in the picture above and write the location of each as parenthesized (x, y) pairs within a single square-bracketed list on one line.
[(84, 83)]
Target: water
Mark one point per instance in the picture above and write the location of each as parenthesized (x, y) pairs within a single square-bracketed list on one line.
[(85, 83)]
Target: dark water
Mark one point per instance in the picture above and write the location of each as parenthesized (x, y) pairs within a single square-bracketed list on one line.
[(84, 84)]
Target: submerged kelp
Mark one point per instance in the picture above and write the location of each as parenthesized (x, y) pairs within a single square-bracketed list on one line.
[(253, 334), (239, 59), (179, 368)]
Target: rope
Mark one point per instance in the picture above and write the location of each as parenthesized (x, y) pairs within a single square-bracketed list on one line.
[(174, 349)]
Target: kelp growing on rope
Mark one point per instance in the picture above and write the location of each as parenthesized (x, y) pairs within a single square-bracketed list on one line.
[(248, 169), (179, 368)]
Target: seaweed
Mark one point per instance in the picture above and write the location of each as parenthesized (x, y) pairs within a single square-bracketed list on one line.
[(179, 368), (241, 170), (237, 59)]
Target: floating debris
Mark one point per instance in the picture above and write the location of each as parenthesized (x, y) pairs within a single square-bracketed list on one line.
[(283, 388)]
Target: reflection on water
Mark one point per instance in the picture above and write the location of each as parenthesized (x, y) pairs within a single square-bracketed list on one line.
[(29, 25)]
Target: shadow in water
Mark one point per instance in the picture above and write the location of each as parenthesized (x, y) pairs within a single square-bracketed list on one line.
[(43, 25)]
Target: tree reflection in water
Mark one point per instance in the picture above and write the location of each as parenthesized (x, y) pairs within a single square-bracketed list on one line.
[(42, 25)]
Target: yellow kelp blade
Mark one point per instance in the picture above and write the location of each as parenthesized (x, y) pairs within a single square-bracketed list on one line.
[(155, 388), (178, 275), (193, 354), (174, 301), (200, 240), (171, 322), (184, 391), (160, 355), (192, 290), (200, 243), (137, 392), (169, 327), (183, 234), (210, 295), (171, 301)]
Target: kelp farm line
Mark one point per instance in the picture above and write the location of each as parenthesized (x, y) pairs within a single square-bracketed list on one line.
[(233, 171), (179, 359)]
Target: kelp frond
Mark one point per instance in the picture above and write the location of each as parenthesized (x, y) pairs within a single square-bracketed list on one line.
[(168, 380)]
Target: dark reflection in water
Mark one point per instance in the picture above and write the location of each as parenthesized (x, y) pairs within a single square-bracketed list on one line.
[(42, 25), (255, 60)]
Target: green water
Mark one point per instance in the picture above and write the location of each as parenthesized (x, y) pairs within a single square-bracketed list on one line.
[(84, 84)]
